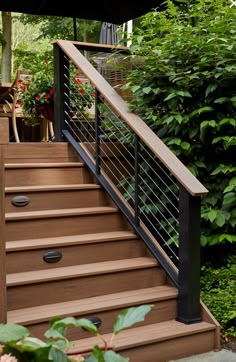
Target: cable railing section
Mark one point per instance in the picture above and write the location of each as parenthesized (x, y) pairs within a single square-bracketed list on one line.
[(154, 190)]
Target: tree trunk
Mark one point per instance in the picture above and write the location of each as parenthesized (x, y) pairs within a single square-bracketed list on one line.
[(6, 46)]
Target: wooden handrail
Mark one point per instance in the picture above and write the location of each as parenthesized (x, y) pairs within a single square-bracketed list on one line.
[(98, 47), (101, 47), (167, 157)]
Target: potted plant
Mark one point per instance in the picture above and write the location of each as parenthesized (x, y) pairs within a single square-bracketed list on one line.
[(82, 96), (36, 95)]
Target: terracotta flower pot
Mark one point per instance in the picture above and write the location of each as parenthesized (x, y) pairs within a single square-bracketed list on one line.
[(46, 110)]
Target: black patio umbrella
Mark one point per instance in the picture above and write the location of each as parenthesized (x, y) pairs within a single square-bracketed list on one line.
[(109, 34), (114, 11)]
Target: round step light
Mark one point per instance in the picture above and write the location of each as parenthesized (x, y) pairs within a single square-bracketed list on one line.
[(20, 200), (95, 320), (52, 256)]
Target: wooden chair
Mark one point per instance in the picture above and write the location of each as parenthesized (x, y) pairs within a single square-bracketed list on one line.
[(8, 101)]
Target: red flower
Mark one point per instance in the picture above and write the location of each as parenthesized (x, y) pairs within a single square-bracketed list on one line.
[(47, 96), (20, 80), (38, 96), (81, 91), (78, 81), (51, 90), (93, 94)]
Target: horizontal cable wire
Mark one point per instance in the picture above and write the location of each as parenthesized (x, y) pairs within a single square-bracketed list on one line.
[(161, 236), (162, 169), (73, 130), (144, 181), (164, 217), (154, 171), (107, 157), (155, 184), (159, 188), (112, 152)]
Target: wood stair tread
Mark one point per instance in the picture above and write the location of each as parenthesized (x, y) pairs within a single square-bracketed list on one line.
[(39, 214), (68, 240), (39, 276), (139, 336), (52, 188), (92, 305), (43, 165)]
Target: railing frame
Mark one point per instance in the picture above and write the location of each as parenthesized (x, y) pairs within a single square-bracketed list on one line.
[(4, 140), (188, 280), (137, 179), (97, 133), (61, 82), (189, 257)]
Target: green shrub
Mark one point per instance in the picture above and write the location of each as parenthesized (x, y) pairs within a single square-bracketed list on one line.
[(218, 290), (185, 90)]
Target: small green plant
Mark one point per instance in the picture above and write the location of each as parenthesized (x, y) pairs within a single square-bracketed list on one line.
[(218, 292), (19, 346)]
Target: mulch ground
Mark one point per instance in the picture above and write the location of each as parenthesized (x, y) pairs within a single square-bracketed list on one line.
[(229, 343)]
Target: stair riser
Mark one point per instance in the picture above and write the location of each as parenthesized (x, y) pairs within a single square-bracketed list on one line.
[(58, 200), (56, 291), (162, 311), (173, 348), (28, 260), (39, 152), (47, 176), (61, 226)]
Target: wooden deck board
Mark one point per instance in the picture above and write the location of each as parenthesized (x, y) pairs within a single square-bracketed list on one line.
[(51, 188), (44, 165), (147, 334), (57, 213), (39, 276), (69, 240), (92, 305)]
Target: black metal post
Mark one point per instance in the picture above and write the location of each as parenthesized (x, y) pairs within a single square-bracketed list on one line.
[(75, 29), (189, 309), (61, 86), (136, 177), (97, 132)]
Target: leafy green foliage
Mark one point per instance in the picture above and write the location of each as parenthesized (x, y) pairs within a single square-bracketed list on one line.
[(107, 356), (57, 27), (185, 91), (33, 36), (12, 332), (218, 290), (131, 316), (18, 342)]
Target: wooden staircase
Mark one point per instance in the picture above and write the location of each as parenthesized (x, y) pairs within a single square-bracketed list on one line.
[(70, 252)]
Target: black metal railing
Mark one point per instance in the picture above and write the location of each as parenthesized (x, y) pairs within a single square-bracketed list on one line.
[(151, 187)]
